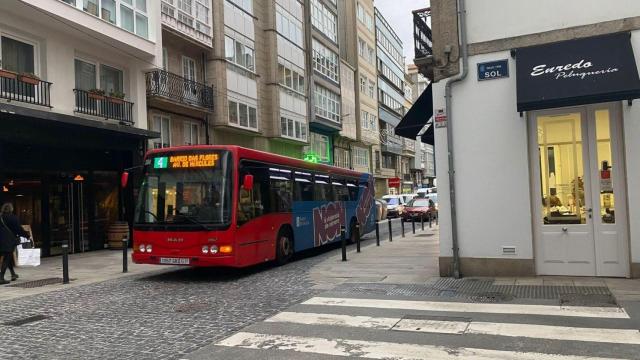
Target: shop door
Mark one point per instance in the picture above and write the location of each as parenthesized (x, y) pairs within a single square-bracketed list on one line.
[(579, 192), (68, 217)]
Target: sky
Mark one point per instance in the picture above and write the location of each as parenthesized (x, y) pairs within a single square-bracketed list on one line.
[(398, 15)]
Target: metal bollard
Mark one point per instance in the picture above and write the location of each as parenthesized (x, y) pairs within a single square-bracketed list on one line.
[(422, 222), (402, 225), (437, 216), (125, 265), (413, 224), (430, 219), (65, 263), (390, 234), (358, 238), (344, 243), (377, 233)]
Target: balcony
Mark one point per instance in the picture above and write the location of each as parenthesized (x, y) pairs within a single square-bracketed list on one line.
[(422, 37), (30, 90), (390, 143), (109, 108), (175, 88)]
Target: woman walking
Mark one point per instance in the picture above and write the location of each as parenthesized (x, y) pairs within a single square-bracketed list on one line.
[(10, 229)]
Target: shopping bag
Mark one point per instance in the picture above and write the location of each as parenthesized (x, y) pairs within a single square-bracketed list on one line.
[(28, 257)]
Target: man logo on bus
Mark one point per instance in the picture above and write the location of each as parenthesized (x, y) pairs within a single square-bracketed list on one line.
[(365, 203), (327, 220)]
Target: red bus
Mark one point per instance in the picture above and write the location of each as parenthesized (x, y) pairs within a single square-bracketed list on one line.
[(236, 207)]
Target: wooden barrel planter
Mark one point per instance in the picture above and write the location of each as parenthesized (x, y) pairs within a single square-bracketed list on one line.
[(117, 231)]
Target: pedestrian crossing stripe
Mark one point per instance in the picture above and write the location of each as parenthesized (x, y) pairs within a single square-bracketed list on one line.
[(548, 332), (380, 349), (438, 306)]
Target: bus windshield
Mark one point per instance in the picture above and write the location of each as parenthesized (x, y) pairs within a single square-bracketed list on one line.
[(192, 188)]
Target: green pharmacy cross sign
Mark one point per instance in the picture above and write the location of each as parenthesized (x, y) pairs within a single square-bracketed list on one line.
[(312, 157)]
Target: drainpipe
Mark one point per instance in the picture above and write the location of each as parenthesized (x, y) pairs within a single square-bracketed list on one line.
[(448, 97)]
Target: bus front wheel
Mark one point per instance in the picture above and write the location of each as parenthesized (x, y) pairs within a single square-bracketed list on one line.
[(284, 246)]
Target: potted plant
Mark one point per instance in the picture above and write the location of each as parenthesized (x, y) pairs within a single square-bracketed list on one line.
[(97, 94), (29, 78), (116, 97), (8, 74)]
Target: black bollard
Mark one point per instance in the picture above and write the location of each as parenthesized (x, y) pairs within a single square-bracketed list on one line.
[(358, 238), (377, 233), (125, 265), (402, 225), (413, 224), (422, 222), (65, 263), (344, 243), (430, 219), (390, 234)]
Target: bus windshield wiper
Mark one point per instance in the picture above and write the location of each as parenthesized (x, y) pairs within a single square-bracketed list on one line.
[(193, 220)]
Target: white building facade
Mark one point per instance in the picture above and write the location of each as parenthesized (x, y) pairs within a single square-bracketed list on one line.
[(545, 139)]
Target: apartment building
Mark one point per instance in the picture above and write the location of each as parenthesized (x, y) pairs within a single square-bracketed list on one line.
[(357, 39), (74, 113), (180, 104), (390, 78), (323, 61)]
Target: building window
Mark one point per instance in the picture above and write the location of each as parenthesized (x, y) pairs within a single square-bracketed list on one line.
[(243, 115), (364, 17), (321, 147), (246, 5), (327, 104), (385, 43), (363, 84), (293, 129), (325, 61), (132, 14), (372, 89), (368, 121), (111, 79), (390, 102), (341, 158), (17, 56), (360, 156), (162, 124), (289, 27), (323, 19), (366, 52), (388, 74), (191, 135), (239, 53), (291, 78)]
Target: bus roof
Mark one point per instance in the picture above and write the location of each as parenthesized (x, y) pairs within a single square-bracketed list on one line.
[(252, 154)]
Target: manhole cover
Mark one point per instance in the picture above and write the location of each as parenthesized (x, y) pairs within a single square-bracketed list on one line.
[(191, 307), (37, 283), (490, 297), (26, 320), (587, 300)]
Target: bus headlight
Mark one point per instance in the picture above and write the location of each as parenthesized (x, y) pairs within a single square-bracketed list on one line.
[(149, 248), (205, 249), (214, 249), (141, 248)]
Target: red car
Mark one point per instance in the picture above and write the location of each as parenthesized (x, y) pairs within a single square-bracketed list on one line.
[(420, 208)]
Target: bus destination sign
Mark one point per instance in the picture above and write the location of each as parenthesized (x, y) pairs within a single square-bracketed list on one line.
[(186, 161)]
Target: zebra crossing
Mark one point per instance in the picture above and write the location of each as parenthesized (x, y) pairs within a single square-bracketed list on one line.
[(400, 329)]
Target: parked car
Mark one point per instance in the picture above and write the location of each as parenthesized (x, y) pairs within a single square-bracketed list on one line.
[(424, 191), (395, 205), (408, 197), (381, 209), (420, 208)]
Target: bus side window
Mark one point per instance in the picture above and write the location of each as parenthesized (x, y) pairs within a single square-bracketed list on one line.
[(352, 186), (252, 204), (303, 187), (322, 188), (280, 190), (340, 191)]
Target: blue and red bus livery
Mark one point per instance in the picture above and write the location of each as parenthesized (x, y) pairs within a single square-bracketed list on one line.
[(233, 206)]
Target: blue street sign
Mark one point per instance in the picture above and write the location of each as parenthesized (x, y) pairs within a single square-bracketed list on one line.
[(493, 70)]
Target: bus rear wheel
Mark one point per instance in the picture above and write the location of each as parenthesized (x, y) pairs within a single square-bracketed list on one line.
[(284, 247)]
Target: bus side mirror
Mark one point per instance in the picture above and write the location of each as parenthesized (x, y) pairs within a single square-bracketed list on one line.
[(124, 179), (247, 183)]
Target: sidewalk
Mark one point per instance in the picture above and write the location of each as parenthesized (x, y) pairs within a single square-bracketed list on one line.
[(84, 268)]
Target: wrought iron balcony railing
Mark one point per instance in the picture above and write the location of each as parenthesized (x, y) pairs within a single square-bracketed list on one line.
[(176, 88), (109, 108), (422, 36), (25, 89)]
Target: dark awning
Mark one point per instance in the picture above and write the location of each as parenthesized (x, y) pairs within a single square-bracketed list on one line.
[(417, 117), (427, 137), (577, 72)]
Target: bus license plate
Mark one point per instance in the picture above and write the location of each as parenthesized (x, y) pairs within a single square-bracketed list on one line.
[(174, 261)]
